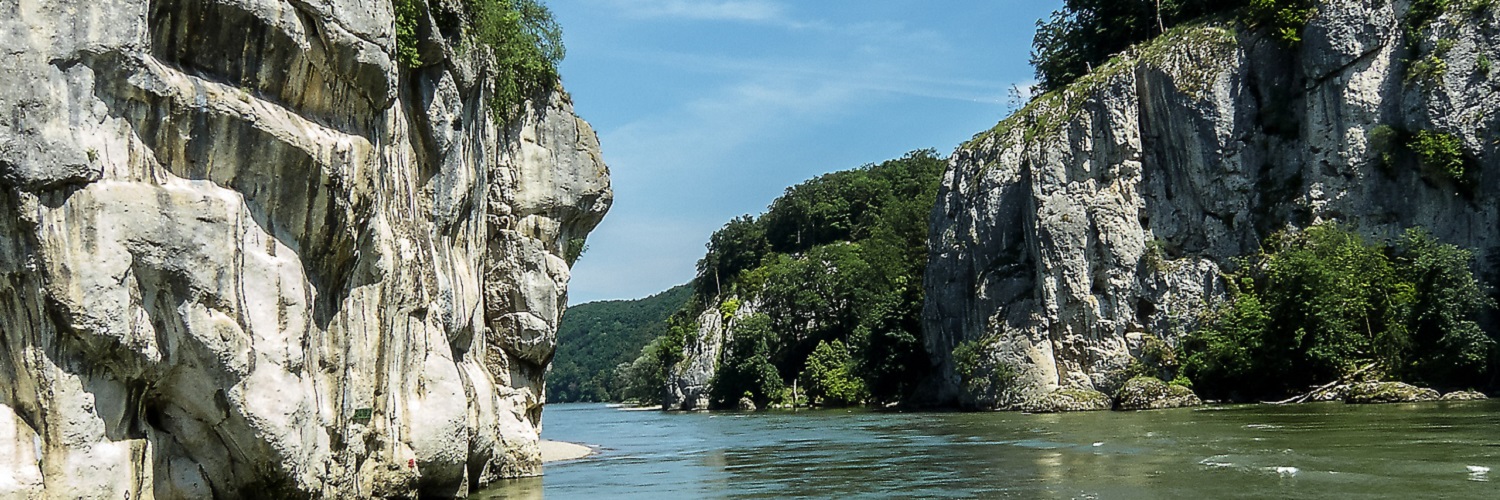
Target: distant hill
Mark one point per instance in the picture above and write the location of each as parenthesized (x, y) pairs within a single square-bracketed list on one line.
[(596, 337)]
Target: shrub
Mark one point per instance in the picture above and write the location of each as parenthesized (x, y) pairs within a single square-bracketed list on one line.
[(1317, 304), (1440, 152), (575, 249), (828, 378), (988, 383), (1483, 65), (1285, 19), (1384, 139), (1428, 70), (409, 15)]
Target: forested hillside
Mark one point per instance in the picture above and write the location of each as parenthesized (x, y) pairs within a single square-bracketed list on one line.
[(595, 338), (825, 287)]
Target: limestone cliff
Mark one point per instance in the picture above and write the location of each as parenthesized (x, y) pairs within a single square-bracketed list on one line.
[(687, 382), (1106, 211), (245, 253)]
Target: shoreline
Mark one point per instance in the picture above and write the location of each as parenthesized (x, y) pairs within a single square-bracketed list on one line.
[(562, 451)]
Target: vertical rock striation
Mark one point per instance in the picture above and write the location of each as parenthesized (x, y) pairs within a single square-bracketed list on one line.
[(244, 253), (1106, 211)]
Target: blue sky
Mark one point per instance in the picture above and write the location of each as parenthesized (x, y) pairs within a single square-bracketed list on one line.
[(710, 109)]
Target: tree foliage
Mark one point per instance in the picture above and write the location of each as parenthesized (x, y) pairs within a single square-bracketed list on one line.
[(745, 369), (1086, 33), (828, 379), (1316, 304), (527, 46)]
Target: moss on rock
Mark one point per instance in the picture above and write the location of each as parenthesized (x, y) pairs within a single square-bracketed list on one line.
[(1464, 396), (1067, 400), (1150, 393), (1388, 392)]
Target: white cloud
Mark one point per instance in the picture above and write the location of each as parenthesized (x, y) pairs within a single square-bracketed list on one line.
[(725, 10)]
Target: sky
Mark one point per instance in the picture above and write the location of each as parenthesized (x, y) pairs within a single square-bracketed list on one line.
[(710, 109)]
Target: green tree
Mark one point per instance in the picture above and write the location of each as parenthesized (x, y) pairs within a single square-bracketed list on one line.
[(1317, 304), (526, 43), (1447, 346), (828, 378), (746, 368)]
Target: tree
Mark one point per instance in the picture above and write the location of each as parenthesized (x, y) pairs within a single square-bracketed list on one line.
[(1447, 346), (746, 369), (1317, 304), (828, 377)]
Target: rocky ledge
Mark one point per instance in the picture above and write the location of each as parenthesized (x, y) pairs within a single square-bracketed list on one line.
[(1465, 396), (245, 253)]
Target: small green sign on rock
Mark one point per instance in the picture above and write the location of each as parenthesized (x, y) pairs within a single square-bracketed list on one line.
[(363, 415)]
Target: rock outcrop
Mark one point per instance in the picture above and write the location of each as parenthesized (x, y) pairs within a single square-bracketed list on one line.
[(245, 253), (1388, 392), (1068, 400), (1465, 396), (1150, 393), (1107, 211), (688, 381)]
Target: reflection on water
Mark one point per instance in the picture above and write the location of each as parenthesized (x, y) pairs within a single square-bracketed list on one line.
[(1302, 451)]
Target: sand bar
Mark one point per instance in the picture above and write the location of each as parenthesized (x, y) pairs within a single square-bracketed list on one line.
[(557, 451)]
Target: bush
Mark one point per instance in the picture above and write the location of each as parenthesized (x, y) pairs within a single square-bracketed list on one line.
[(574, 250), (1285, 19), (988, 383), (828, 378), (1384, 139), (1440, 152)]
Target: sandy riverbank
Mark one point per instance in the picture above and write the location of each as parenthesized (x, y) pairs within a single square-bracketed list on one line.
[(557, 451)]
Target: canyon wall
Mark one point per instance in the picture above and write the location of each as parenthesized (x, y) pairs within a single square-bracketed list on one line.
[(246, 253), (1107, 211)]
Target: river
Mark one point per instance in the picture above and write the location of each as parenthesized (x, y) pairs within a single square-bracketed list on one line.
[(1325, 450)]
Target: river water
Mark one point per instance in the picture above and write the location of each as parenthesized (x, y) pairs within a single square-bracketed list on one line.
[(1325, 450)]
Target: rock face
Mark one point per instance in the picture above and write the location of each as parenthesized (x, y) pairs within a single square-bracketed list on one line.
[(243, 253), (1107, 211), (688, 382)]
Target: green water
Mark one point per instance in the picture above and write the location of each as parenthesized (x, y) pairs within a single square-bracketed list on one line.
[(1329, 450)]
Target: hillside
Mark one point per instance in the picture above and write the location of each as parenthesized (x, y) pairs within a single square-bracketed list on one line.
[(595, 338)]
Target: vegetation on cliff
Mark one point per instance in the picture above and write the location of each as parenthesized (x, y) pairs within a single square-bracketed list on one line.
[(1318, 304), (520, 35)]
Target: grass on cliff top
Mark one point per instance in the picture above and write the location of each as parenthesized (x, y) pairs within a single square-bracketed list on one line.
[(1190, 53)]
